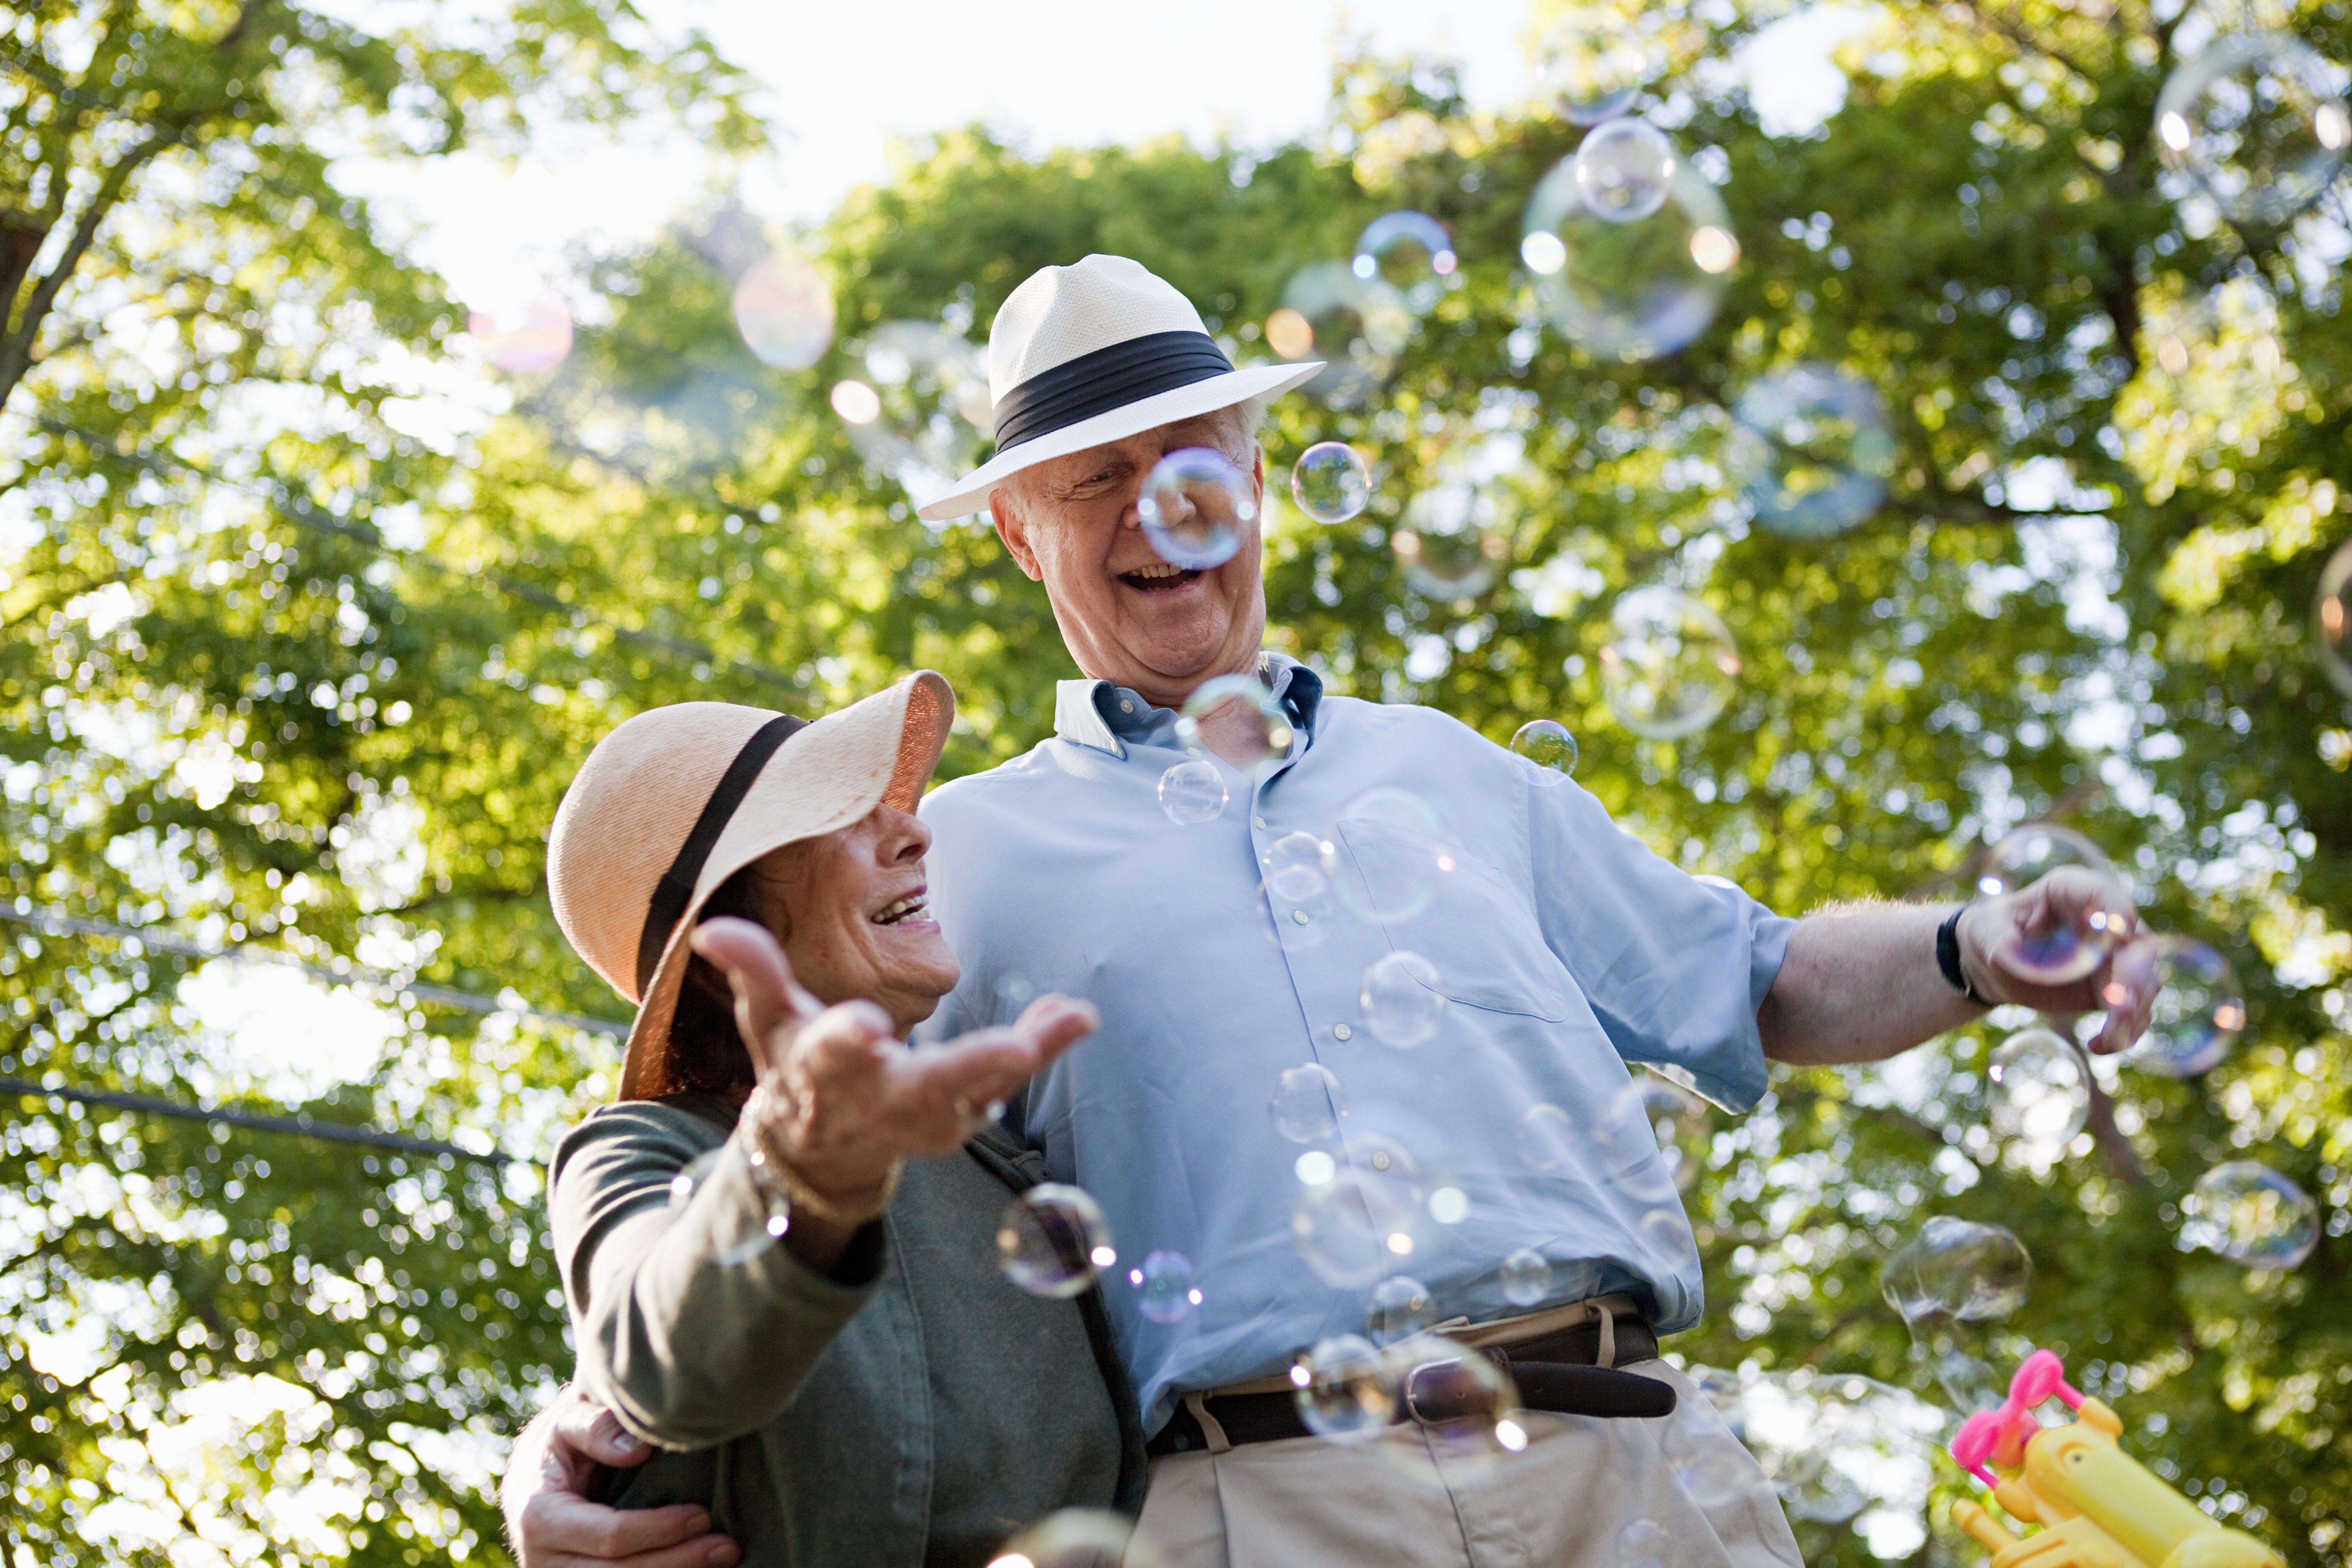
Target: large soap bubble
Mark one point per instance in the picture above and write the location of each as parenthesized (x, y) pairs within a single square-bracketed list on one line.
[(531, 337), (2026, 855), (1343, 1389), (1052, 1239), (1329, 482), (1526, 1278), (1193, 793), (2251, 1215), (1355, 326), (2331, 618), (1412, 253), (1197, 508), (1402, 999), (2040, 1092), (783, 307), (1812, 445), (1958, 1269), (1593, 64), (1387, 854), (1654, 1136), (1628, 290), (1673, 666), (1257, 732), (1450, 543), (2197, 1011), (1164, 1291), (1547, 743), (749, 1237), (1624, 169), (1306, 1104), (2259, 122), (1365, 1218), (1401, 1307)]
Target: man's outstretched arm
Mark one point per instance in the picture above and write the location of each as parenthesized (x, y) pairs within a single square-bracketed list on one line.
[(1860, 983)]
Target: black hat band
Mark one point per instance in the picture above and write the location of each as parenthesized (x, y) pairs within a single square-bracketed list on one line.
[(675, 889), (1109, 378)]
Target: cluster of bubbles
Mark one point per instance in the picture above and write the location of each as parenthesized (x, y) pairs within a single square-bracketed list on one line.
[(1440, 1395), (1954, 1274)]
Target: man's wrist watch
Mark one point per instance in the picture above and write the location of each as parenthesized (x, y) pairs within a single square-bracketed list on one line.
[(1947, 958)]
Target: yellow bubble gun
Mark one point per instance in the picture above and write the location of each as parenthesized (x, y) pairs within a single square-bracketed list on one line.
[(2097, 1507)]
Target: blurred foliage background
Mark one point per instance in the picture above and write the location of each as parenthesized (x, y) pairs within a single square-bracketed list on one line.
[(283, 666)]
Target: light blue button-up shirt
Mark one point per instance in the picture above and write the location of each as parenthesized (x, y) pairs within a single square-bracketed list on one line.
[(1565, 947)]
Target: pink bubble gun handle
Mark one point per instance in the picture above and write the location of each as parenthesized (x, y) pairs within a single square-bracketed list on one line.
[(1987, 1433)]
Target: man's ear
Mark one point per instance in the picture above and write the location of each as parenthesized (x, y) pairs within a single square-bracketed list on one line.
[(1013, 529)]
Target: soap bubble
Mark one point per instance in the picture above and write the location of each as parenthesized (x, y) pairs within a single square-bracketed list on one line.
[(1050, 1240), (2197, 1011), (1464, 1402), (1294, 867), (1256, 726), (2258, 121), (1547, 743), (2040, 1093), (2024, 855), (1342, 1389), (1387, 855), (2067, 950), (1329, 482), (1078, 1538), (1526, 1278), (1164, 1290), (1192, 791), (2331, 618), (1711, 1466), (1401, 1307), (1402, 999), (1622, 291), (1449, 1206), (534, 336), (1654, 1138), (1412, 253), (1624, 168), (1673, 666), (1449, 544), (1306, 1104), (1593, 65), (1548, 1139), (1833, 1444), (784, 308), (1355, 326), (1197, 508), (742, 1241), (1956, 1268), (1643, 1544), (1365, 1219), (2251, 1215), (927, 409), (1812, 445)]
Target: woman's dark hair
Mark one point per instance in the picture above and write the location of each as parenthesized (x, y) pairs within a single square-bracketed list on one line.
[(706, 1053)]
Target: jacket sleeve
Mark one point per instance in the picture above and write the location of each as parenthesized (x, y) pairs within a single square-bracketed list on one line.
[(687, 1342)]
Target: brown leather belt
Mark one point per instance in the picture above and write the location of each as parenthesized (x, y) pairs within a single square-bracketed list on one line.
[(1556, 1372)]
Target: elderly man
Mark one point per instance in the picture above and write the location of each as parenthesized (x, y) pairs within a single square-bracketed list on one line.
[(1563, 950)]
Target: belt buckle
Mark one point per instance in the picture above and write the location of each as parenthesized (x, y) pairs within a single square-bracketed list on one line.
[(1410, 1387)]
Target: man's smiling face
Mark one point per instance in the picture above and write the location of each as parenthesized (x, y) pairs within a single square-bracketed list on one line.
[(1126, 615)]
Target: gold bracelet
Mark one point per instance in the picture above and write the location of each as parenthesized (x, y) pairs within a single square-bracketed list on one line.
[(784, 1187)]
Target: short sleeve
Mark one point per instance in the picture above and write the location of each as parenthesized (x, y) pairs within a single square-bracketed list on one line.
[(1672, 966)]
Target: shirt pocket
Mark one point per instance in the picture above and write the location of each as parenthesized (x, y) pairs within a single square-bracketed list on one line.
[(1470, 919)]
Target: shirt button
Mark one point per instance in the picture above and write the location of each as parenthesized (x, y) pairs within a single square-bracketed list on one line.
[(1381, 1160), (1342, 1032), (1126, 707), (1298, 915)]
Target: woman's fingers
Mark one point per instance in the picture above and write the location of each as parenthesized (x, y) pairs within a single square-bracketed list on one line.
[(767, 997)]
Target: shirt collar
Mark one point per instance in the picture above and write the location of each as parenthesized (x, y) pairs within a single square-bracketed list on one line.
[(1107, 717)]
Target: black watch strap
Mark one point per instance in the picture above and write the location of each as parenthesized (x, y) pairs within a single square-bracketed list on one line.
[(1948, 957)]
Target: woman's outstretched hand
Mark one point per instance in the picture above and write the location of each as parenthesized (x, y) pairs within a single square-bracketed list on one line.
[(840, 1101)]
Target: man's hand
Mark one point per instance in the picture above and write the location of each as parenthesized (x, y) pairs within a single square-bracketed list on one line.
[(550, 1523), (2122, 983)]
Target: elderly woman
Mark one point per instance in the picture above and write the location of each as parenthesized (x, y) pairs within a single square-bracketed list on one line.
[(777, 1246)]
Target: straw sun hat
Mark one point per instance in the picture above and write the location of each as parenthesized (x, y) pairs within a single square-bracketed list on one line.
[(1097, 351), (679, 799)]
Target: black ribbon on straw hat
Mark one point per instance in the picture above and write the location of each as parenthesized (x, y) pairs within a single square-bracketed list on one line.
[(1106, 379), (675, 889)]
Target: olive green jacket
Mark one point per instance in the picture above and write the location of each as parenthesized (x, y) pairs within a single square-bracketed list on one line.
[(912, 1408)]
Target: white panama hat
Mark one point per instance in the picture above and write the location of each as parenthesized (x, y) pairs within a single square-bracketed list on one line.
[(1097, 352)]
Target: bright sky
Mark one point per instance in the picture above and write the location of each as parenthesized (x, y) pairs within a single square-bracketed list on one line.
[(844, 80)]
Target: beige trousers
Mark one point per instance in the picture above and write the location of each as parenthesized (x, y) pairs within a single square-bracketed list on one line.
[(1566, 1502)]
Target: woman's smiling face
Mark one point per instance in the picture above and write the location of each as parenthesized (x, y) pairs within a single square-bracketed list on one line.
[(851, 911)]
